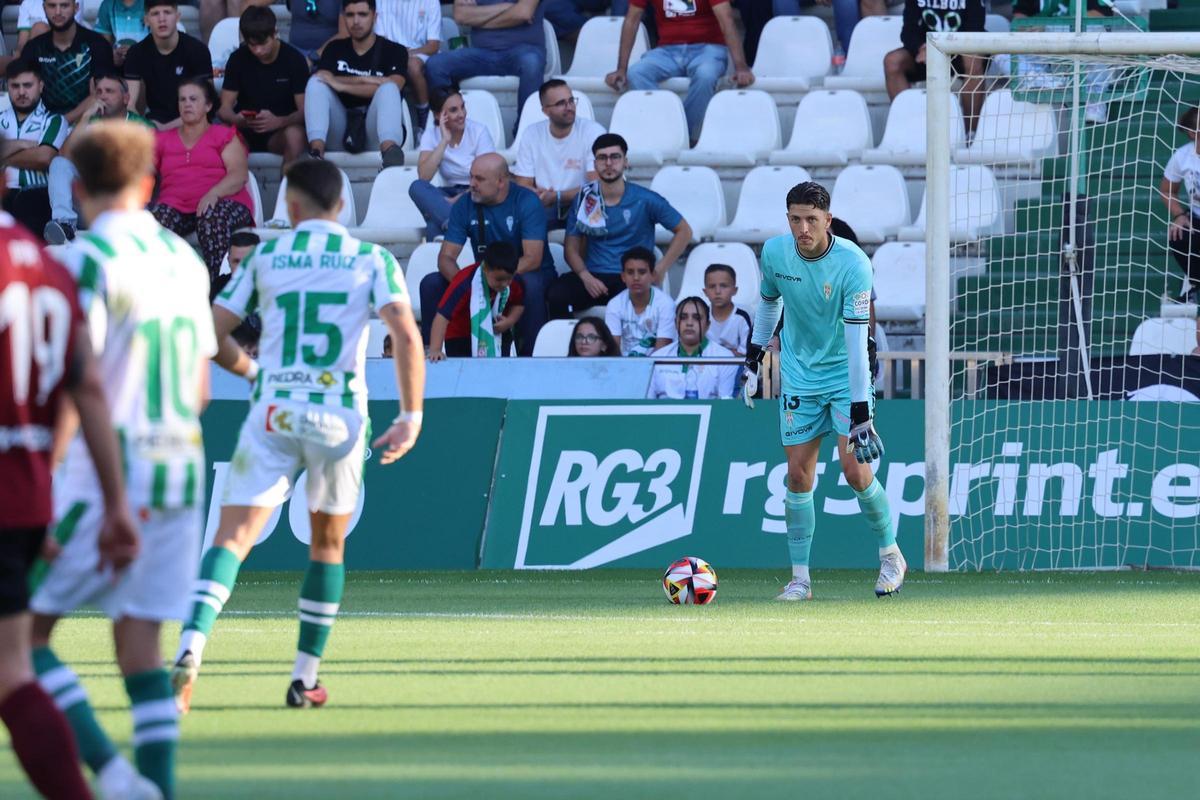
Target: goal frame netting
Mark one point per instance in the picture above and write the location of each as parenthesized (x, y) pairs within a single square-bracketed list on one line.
[(941, 49)]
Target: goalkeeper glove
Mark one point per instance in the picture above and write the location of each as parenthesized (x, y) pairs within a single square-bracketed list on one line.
[(754, 357), (864, 441)]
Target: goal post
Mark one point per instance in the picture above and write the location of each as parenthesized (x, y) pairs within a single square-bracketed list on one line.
[(1052, 463)]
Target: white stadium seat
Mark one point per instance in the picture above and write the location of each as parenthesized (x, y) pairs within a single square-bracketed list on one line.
[(532, 112), (1176, 337), (377, 331), (347, 217), (255, 198), (831, 129), (872, 199), (997, 23), (761, 213), (422, 262), (482, 107), (392, 216), (554, 338), (509, 83), (696, 193), (741, 127), (559, 256), (975, 206), (874, 37), (782, 65), (224, 39), (654, 125), (596, 53), (1011, 131), (904, 137), (449, 31), (735, 254), (900, 281)]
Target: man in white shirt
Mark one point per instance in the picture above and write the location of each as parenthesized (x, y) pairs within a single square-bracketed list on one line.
[(416, 24), (555, 156), (692, 381)]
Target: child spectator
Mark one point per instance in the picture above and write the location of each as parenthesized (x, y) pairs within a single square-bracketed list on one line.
[(729, 326), (642, 316), (482, 304), (592, 338), (692, 381)]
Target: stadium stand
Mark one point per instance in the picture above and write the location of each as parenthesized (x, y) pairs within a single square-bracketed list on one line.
[(782, 66), (596, 53), (532, 112), (422, 262), (760, 214), (391, 216), (832, 128), (554, 338), (347, 217), (483, 108), (654, 125), (872, 199), (1011, 132), (971, 213), (903, 141), (696, 193), (508, 83), (1175, 337), (873, 38), (900, 281), (737, 255), (741, 128)]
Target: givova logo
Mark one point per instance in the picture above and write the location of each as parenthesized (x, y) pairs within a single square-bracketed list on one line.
[(606, 482)]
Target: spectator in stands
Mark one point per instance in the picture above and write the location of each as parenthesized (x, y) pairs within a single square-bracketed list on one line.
[(692, 381), (109, 101), (31, 22), (1095, 80), (263, 93), (728, 325), (123, 24), (497, 210), (479, 308), (507, 38), (354, 98), (448, 148), (906, 64), (416, 24), (568, 16), (696, 39), (1183, 231), (30, 137), (846, 14), (156, 66), (68, 56), (642, 316), (609, 218), (592, 338), (315, 23), (202, 174), (555, 158), (249, 331)]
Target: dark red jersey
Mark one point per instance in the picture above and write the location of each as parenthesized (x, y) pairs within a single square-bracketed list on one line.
[(39, 312)]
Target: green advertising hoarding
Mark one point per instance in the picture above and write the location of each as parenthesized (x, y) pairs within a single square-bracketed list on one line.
[(641, 484), (1033, 485), (426, 511)]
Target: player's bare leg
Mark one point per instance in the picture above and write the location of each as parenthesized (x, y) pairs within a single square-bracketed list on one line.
[(874, 504), (800, 516), (320, 597), (237, 532)]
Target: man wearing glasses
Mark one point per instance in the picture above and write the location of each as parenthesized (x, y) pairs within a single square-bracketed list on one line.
[(555, 155), (608, 218)]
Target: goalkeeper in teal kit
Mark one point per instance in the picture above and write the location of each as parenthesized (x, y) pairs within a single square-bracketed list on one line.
[(823, 285)]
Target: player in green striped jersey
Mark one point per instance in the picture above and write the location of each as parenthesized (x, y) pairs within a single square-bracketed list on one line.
[(145, 293), (314, 288)]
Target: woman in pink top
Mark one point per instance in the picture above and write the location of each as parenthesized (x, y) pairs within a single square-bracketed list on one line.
[(202, 172)]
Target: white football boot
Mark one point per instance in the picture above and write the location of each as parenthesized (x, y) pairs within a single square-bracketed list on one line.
[(120, 781), (797, 589), (892, 568)]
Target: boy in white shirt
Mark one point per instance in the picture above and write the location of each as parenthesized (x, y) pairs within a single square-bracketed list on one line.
[(730, 326), (641, 317), (555, 157)]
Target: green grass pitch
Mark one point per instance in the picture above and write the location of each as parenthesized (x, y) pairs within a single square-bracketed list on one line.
[(570, 685)]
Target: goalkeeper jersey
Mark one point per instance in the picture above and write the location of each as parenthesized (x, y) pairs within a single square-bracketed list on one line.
[(145, 294), (820, 297), (314, 288)]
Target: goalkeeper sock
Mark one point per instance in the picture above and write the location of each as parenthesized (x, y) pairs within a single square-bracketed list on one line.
[(218, 573), (62, 684), (875, 507), (800, 516), (155, 727), (320, 596)]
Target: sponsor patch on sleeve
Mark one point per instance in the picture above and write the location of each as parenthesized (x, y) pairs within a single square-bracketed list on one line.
[(862, 303)]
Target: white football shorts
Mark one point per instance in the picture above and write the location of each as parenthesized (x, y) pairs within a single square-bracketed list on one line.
[(156, 586), (282, 437)]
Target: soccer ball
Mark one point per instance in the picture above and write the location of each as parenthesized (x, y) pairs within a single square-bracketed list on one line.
[(690, 581)]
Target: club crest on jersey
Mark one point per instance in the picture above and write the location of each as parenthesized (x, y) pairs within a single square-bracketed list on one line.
[(279, 420), (828, 290), (509, 221)]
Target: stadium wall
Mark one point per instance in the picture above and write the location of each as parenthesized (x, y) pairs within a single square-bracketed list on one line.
[(532, 484)]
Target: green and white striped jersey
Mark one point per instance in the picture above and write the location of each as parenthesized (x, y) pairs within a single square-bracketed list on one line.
[(314, 288), (39, 126), (145, 293)]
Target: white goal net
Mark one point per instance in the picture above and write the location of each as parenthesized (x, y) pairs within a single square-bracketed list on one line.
[(1076, 443)]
